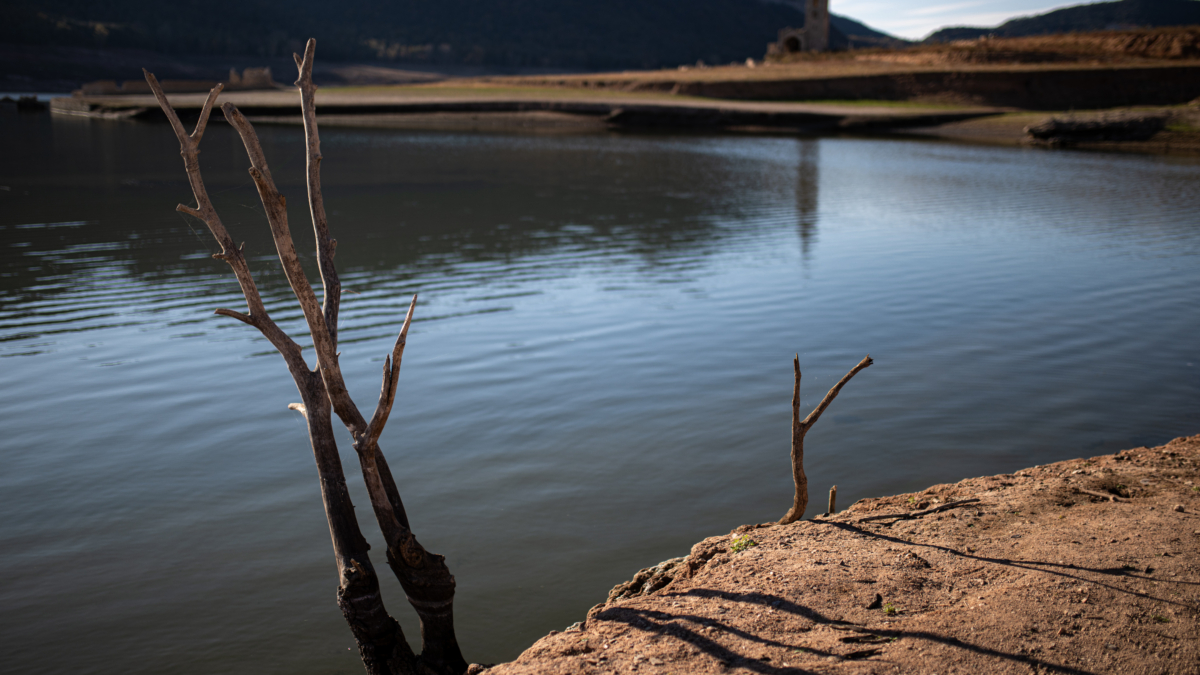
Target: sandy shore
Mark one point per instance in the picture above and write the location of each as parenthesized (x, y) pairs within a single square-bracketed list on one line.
[(1083, 566)]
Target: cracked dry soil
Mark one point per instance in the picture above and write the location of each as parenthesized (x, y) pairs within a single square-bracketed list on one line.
[(1082, 566)]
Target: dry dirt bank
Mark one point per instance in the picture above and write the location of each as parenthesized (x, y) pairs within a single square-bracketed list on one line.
[(1083, 566)]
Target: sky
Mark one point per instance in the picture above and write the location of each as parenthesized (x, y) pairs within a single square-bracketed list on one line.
[(914, 19)]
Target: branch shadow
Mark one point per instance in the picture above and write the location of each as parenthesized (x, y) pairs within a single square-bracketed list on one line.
[(1033, 565), (666, 624)]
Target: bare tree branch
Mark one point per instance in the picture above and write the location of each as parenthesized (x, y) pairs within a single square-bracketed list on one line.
[(424, 576), (816, 413), (205, 111), (800, 501), (800, 429), (249, 321), (275, 206), (189, 149), (382, 645), (426, 580), (326, 247), (391, 374)]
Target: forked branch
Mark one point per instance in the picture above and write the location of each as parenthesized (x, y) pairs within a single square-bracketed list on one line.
[(189, 149), (275, 206), (424, 576), (391, 376), (326, 246), (800, 429), (381, 642)]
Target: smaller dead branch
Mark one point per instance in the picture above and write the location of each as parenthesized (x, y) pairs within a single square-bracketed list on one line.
[(917, 514), (800, 428), (1102, 495)]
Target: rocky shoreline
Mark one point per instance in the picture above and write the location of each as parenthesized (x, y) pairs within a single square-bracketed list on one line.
[(1082, 566)]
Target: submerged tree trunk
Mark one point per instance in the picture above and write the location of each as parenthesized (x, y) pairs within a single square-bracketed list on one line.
[(381, 642), (424, 576)]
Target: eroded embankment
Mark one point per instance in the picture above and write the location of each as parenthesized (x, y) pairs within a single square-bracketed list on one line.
[(1083, 566)]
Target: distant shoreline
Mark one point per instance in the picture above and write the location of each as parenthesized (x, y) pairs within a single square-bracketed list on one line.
[(519, 104)]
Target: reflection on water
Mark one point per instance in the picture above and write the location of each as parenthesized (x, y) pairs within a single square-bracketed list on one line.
[(806, 194), (599, 375)]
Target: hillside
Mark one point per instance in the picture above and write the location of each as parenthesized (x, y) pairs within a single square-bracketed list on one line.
[(846, 33), (1122, 14), (538, 33)]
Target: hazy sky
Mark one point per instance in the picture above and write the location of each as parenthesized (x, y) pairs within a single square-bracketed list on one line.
[(918, 18)]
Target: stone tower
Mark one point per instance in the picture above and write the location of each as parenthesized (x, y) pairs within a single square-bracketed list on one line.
[(816, 26), (814, 37)]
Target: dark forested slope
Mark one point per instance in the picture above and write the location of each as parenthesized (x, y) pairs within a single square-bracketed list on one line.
[(581, 33)]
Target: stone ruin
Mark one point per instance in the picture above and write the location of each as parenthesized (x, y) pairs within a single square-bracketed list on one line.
[(813, 37), (251, 78)]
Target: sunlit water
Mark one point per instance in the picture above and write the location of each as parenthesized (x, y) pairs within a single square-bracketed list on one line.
[(598, 377)]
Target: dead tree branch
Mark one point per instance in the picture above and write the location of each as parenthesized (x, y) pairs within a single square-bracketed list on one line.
[(917, 514), (427, 582), (800, 429)]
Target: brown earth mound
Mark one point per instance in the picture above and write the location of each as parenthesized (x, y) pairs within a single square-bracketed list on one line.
[(1083, 566)]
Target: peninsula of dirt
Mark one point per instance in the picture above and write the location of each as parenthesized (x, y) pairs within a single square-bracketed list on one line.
[(1082, 566)]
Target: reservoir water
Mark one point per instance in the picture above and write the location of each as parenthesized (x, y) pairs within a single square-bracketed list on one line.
[(599, 374)]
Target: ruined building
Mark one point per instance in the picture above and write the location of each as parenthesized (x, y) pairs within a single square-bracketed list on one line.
[(813, 37)]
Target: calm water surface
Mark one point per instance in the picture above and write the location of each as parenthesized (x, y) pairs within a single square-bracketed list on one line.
[(598, 377)]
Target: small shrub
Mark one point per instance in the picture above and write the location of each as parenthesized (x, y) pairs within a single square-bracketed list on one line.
[(742, 543), (889, 609), (1161, 619)]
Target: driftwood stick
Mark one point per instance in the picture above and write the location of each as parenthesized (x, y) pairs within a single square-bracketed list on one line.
[(800, 429)]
